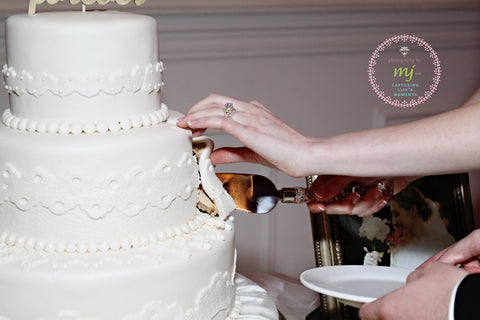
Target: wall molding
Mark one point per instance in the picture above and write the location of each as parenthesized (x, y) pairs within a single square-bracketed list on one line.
[(9, 6), (245, 33), (294, 32)]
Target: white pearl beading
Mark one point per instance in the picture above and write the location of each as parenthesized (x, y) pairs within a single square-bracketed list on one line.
[(148, 78), (48, 126), (149, 239)]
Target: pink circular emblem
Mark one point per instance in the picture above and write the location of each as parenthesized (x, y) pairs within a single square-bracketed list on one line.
[(410, 71)]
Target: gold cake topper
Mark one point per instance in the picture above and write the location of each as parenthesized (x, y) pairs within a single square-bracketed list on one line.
[(33, 3)]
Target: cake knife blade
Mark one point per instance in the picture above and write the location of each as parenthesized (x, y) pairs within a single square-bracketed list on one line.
[(258, 194)]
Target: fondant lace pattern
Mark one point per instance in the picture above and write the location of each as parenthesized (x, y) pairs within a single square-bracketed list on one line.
[(96, 195), (214, 303), (147, 78)]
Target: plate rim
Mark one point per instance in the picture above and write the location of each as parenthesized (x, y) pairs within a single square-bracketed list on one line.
[(347, 297)]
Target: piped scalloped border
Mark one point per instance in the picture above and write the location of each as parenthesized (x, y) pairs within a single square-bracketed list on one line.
[(44, 126), (148, 79), (200, 220)]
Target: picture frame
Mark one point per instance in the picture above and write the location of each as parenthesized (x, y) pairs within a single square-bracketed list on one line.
[(337, 239)]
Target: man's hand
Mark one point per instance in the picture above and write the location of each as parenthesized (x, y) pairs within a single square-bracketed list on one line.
[(426, 295)]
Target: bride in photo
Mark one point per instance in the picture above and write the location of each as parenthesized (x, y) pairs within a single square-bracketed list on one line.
[(419, 231)]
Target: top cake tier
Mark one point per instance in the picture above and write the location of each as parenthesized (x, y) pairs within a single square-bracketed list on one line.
[(74, 72)]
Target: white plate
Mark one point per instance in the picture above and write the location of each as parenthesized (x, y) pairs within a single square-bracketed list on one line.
[(354, 285)]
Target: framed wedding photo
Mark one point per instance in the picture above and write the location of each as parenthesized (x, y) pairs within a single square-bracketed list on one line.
[(430, 214)]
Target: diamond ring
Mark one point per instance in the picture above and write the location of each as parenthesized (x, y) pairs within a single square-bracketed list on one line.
[(228, 110)]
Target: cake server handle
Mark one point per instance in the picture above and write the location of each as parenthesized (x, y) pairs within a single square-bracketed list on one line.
[(258, 194)]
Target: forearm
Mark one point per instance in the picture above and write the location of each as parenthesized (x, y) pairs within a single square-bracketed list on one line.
[(446, 143)]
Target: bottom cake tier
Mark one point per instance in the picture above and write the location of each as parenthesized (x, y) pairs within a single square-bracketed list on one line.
[(186, 277)]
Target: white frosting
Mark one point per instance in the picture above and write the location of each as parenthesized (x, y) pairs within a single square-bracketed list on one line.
[(98, 186), (142, 182), (91, 246), (178, 279), (44, 126), (58, 61)]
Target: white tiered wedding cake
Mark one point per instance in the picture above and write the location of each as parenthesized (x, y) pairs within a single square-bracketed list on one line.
[(98, 186)]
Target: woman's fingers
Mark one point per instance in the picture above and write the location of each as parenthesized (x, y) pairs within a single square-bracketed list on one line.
[(216, 100), (371, 202), (239, 154), (316, 207), (342, 195), (268, 140), (214, 106)]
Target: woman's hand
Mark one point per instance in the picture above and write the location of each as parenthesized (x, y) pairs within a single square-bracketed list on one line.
[(268, 140), (375, 193), (426, 295)]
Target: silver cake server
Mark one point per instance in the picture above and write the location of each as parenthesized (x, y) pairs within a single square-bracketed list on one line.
[(257, 194)]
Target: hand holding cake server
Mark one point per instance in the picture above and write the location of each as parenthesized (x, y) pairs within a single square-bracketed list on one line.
[(271, 142), (450, 143)]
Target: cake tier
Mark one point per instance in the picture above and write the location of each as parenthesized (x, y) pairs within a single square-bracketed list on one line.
[(97, 191), (58, 61), (189, 277)]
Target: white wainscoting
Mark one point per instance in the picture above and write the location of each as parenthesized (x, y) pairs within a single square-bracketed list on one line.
[(309, 66)]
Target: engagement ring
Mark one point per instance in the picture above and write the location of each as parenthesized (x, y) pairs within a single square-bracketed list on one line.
[(228, 110)]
